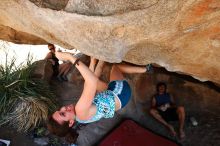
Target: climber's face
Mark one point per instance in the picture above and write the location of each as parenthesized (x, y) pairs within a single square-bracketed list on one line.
[(65, 113)]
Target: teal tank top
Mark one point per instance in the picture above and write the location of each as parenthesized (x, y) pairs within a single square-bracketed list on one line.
[(105, 106)]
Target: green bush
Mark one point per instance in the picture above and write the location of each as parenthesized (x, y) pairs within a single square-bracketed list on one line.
[(24, 101)]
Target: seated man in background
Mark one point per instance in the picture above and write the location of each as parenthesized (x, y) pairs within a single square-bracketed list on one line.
[(53, 59), (164, 110)]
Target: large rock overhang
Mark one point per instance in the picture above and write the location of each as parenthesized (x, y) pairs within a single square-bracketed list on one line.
[(182, 36)]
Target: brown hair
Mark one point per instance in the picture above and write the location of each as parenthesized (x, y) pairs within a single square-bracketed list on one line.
[(62, 130), (161, 84), (51, 45)]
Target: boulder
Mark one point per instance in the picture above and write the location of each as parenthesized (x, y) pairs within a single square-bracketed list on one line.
[(42, 70), (182, 36)]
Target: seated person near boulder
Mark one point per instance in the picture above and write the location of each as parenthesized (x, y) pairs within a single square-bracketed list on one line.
[(53, 59), (164, 110), (63, 71), (98, 99)]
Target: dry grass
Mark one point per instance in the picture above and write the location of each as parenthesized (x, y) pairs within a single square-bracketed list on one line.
[(28, 113)]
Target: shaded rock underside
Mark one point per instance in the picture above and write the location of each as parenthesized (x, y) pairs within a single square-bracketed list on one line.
[(182, 36)]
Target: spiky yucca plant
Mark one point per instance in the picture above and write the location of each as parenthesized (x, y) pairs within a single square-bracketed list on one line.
[(24, 101)]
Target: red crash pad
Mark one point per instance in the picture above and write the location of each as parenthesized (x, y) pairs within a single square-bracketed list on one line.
[(130, 133)]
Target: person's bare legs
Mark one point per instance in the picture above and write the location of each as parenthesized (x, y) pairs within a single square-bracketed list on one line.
[(181, 115), (61, 69), (158, 117), (101, 85), (118, 70), (67, 69), (97, 69), (92, 64)]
